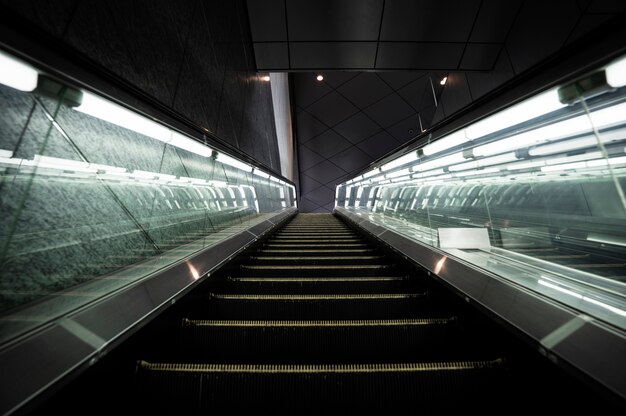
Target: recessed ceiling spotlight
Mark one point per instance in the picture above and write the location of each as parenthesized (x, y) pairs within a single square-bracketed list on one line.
[(443, 80), (265, 77), (320, 78)]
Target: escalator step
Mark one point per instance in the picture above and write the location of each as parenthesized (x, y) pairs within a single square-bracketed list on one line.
[(319, 285), (316, 270), (439, 386), (315, 260), (327, 341), (318, 307)]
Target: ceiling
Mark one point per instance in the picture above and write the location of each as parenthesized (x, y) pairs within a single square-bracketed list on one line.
[(378, 58), (452, 35), (349, 119)]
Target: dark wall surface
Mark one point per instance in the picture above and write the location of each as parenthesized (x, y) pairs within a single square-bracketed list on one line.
[(192, 56)]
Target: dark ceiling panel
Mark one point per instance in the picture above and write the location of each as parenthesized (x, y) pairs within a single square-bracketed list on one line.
[(308, 127), (325, 172), (306, 205), (331, 109), (321, 195), (307, 158), (418, 93), (551, 23), (357, 127), (336, 78), (328, 144), (405, 129), (428, 20), (403, 55), (308, 184), (334, 19), (389, 110), (378, 145), (494, 20), (480, 56), (365, 89), (271, 56), (351, 160), (398, 79), (586, 24), (267, 20), (457, 95), (331, 55), (307, 89), (606, 6)]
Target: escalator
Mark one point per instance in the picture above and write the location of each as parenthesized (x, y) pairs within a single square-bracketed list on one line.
[(318, 318)]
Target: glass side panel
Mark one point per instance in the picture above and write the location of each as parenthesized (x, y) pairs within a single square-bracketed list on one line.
[(95, 197), (533, 193)]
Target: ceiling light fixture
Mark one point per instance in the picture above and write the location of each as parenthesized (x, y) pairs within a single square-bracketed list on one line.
[(443, 81), (265, 78), (320, 78)]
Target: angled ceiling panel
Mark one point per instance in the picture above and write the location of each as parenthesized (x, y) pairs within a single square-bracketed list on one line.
[(365, 89), (325, 172), (267, 20), (357, 127), (494, 20), (428, 20), (480, 56), (332, 109), (271, 55), (351, 160), (411, 55), (378, 145), (307, 127), (328, 144), (332, 55), (389, 110), (321, 20)]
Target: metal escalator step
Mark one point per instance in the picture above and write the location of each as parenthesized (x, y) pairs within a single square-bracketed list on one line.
[(316, 251), (316, 260), (327, 341), (315, 267), (337, 279), (319, 270), (317, 285), (319, 306), (292, 297), (436, 386)]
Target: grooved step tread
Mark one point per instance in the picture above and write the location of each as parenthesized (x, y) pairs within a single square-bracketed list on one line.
[(320, 368), (312, 258), (322, 266), (291, 297), (338, 279), (323, 323)]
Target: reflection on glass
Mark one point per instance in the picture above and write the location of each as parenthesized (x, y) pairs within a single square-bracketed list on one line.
[(96, 196), (545, 177)]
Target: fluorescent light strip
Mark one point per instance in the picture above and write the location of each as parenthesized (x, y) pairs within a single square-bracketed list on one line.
[(579, 143), (603, 118), (587, 164), (443, 161), (227, 160), (478, 172), (260, 174), (616, 73), (17, 74), (402, 160), (445, 143), (371, 173), (490, 161), (526, 110), (395, 174)]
